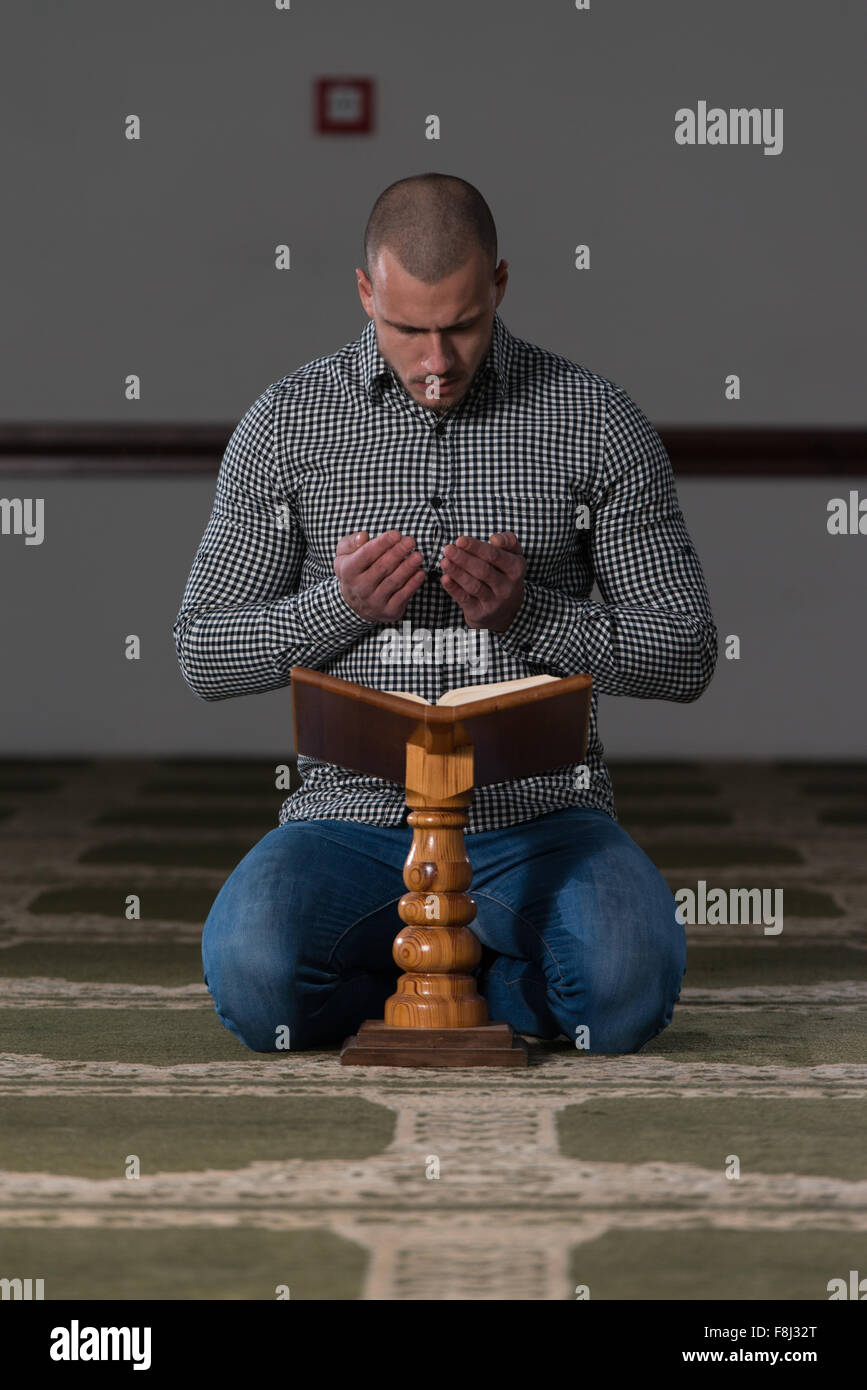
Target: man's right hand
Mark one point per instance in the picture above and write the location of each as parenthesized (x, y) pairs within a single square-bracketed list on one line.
[(378, 577)]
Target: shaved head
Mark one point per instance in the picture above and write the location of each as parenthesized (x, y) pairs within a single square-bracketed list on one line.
[(431, 224)]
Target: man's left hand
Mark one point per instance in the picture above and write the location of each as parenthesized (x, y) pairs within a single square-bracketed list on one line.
[(485, 579)]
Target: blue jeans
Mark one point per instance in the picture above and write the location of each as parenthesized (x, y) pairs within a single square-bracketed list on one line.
[(580, 928)]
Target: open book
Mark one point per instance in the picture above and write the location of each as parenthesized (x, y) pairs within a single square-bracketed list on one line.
[(517, 728), (464, 694)]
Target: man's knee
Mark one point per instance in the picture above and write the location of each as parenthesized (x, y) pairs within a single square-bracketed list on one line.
[(248, 956), (257, 940), (616, 1006), (619, 1024), (257, 999)]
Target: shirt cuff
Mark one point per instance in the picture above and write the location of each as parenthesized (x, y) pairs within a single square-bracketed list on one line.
[(329, 623), (553, 629)]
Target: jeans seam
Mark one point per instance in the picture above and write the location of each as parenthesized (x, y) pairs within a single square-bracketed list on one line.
[(388, 902), (531, 927)]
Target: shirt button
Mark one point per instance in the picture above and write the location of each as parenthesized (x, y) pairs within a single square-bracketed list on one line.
[(436, 501), (439, 428)]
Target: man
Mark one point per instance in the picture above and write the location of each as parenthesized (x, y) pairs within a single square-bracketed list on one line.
[(442, 473)]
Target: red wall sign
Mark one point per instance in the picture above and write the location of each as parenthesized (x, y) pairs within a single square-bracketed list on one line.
[(344, 105)]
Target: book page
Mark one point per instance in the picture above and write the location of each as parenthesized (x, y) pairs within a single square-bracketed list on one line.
[(465, 693)]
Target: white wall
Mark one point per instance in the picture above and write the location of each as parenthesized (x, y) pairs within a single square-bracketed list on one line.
[(157, 257)]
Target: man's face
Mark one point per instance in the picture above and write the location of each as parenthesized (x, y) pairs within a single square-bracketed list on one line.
[(439, 330)]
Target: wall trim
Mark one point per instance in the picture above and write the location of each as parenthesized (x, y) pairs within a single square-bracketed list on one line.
[(706, 450)]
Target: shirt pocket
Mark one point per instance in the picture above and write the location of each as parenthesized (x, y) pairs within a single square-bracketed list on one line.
[(545, 524)]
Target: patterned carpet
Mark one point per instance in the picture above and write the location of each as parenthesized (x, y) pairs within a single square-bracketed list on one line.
[(289, 1172)]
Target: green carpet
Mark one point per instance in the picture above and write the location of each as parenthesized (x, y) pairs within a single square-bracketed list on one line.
[(147, 963), (706, 1263), (718, 853), (204, 817), (263, 1170), (189, 1263), (190, 854), (810, 1135), (91, 1135), (178, 904), (157, 1036)]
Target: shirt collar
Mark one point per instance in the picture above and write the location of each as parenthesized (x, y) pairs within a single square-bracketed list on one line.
[(497, 361)]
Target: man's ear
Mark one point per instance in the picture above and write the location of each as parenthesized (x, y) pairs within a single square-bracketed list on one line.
[(365, 290), (501, 279)]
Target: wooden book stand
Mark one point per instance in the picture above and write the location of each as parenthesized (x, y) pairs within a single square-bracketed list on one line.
[(437, 1018)]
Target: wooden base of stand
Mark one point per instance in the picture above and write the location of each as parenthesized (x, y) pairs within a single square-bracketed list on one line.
[(436, 1016), (378, 1044)]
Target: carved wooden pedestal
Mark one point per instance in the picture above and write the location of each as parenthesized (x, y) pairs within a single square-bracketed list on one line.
[(436, 1017)]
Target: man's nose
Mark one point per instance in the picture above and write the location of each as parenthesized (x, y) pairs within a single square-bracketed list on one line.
[(438, 360)]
